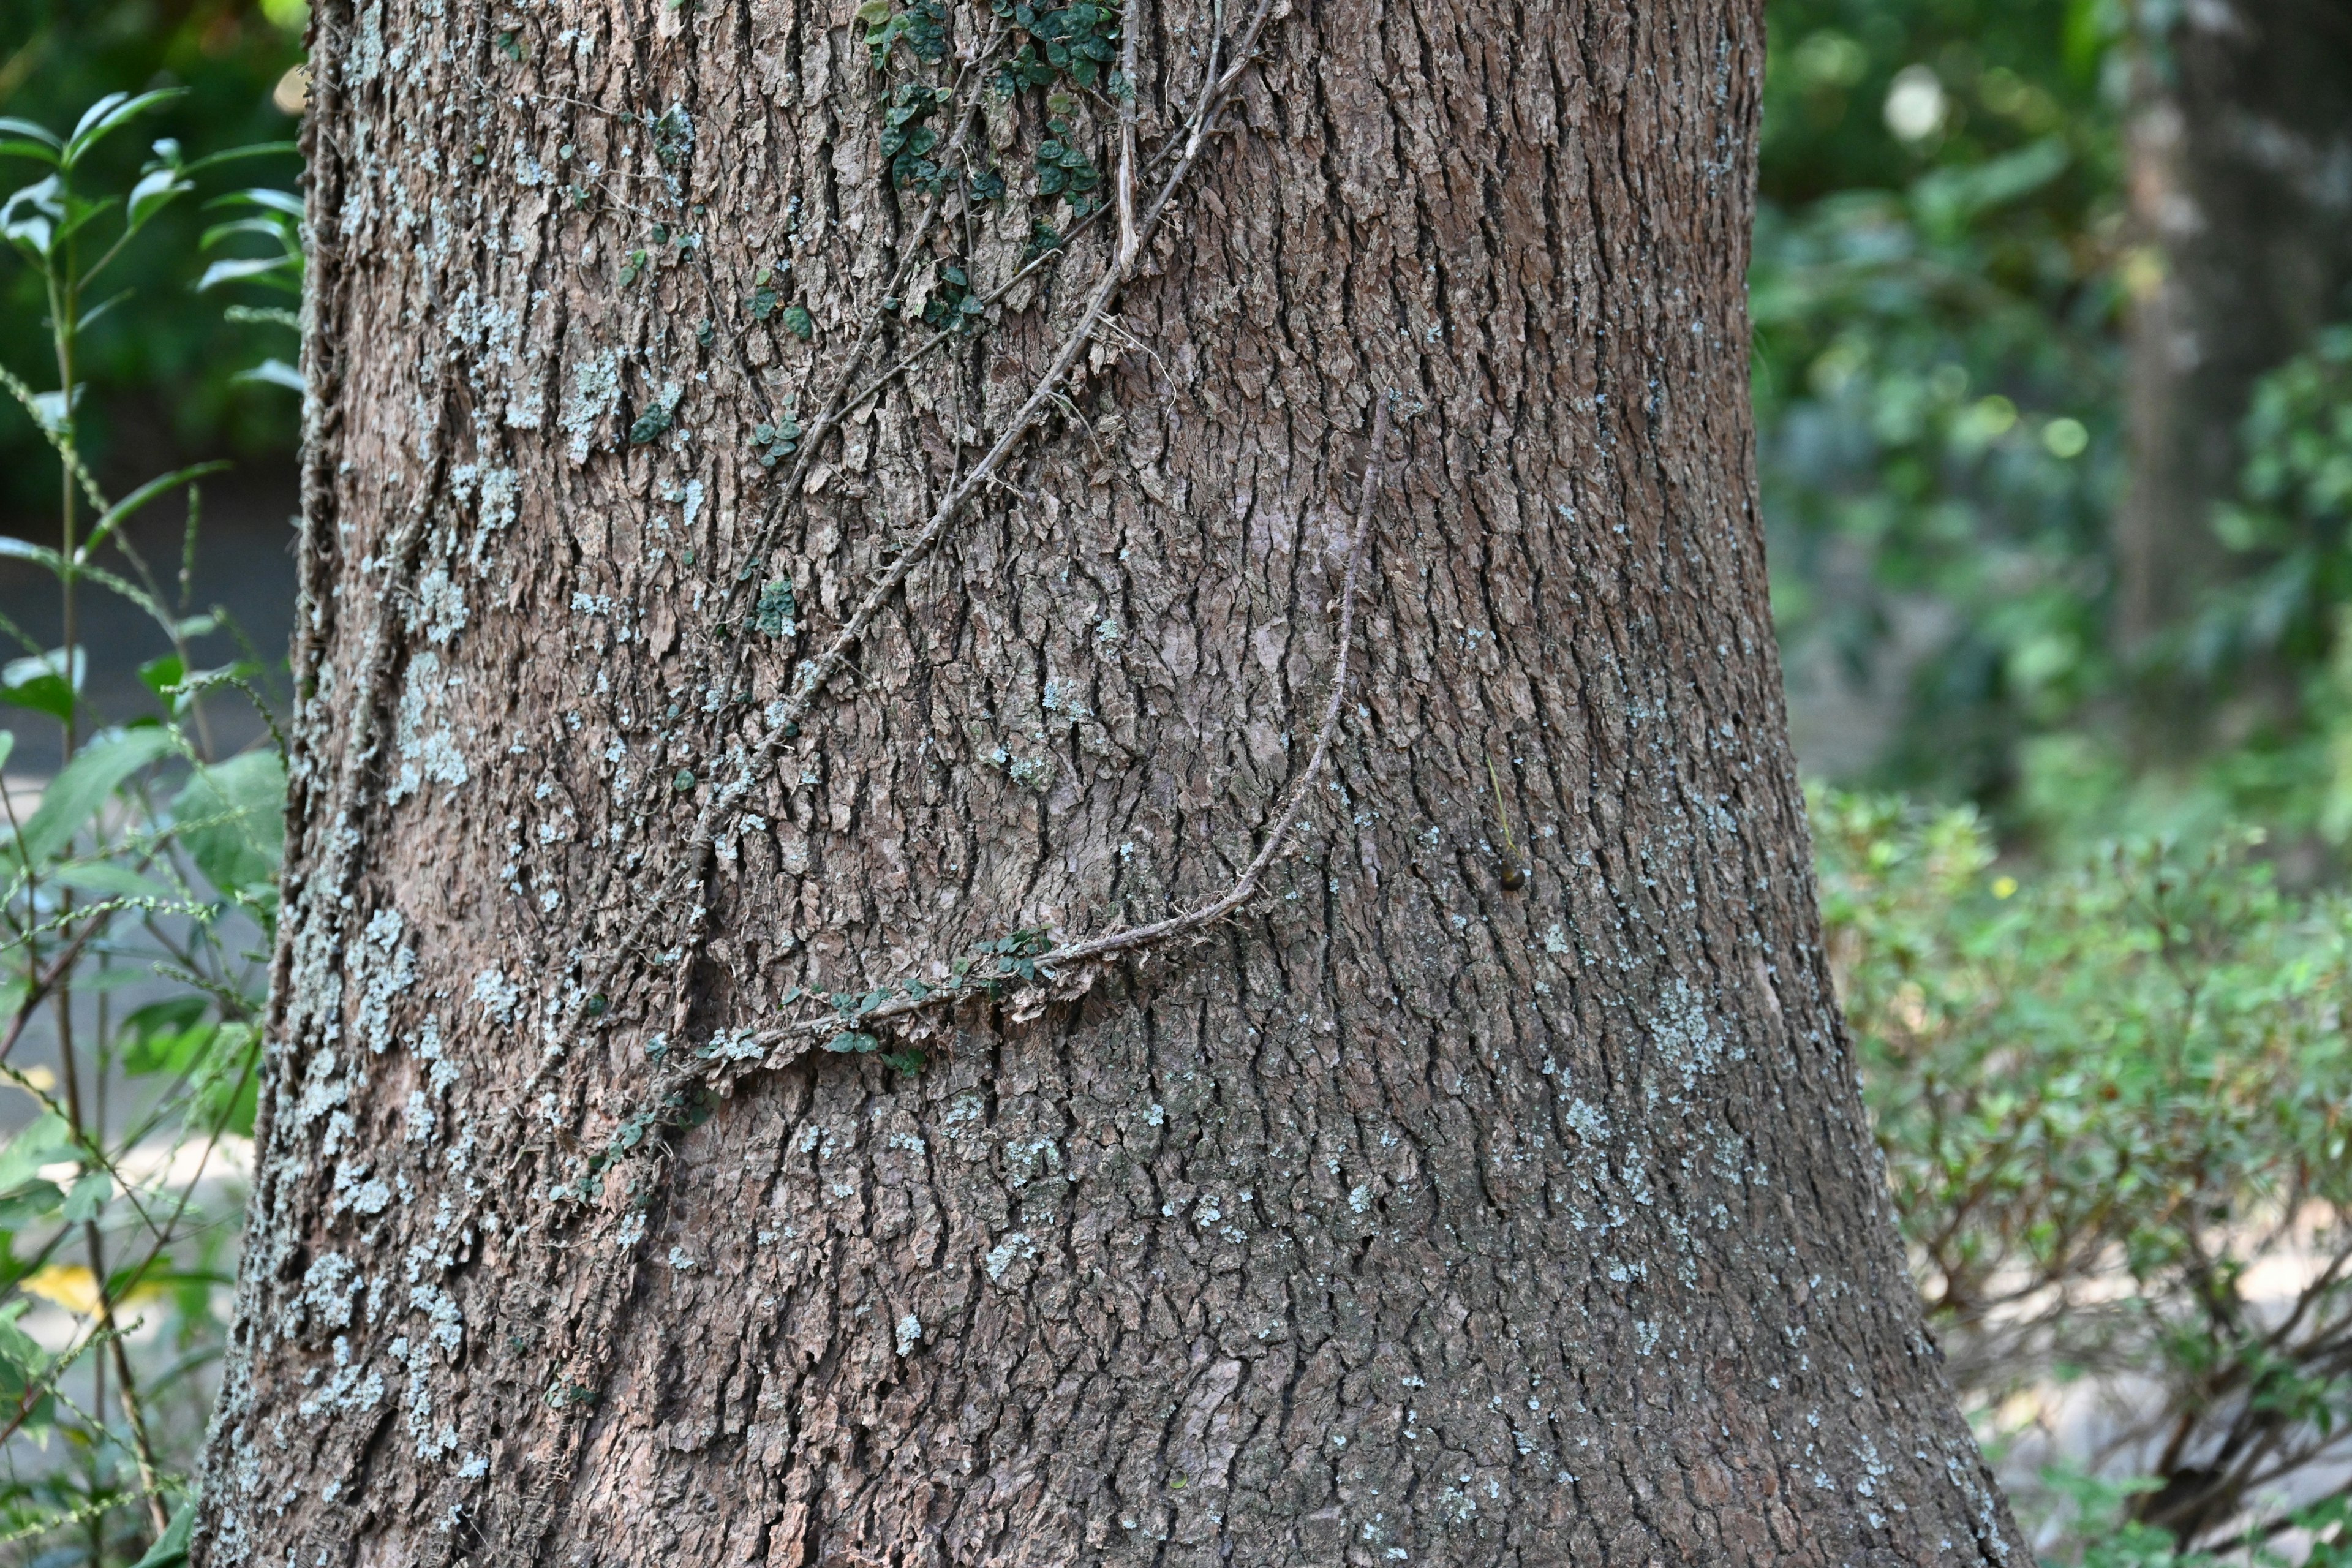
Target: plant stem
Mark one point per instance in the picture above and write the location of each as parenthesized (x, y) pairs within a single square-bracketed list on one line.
[(126, 1386), (64, 317)]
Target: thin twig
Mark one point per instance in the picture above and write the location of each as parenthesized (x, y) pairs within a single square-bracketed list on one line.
[(793, 1039), (1127, 241), (836, 407), (814, 675), (126, 1389)]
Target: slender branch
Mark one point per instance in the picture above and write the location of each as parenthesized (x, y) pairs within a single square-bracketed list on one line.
[(1127, 241), (793, 1039), (838, 404), (814, 674), (126, 1389)]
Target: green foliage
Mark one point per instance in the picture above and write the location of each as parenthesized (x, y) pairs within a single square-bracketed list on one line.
[(2286, 615), (1062, 50), (1075, 43), (650, 425), (2267, 650), (777, 613), (953, 304), (232, 823), (145, 862), (908, 138), (774, 442), (150, 363), (922, 26), (1065, 170), (2117, 1110), (1937, 288)]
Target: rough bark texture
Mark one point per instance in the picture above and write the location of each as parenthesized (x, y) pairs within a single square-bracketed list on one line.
[(1415, 1217), (2240, 160)]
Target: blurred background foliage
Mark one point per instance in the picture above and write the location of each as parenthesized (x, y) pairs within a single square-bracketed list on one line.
[(1962, 277), (1941, 269), (159, 365), (2053, 373)]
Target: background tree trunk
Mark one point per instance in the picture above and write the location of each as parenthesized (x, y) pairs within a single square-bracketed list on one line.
[(2241, 163), (1417, 1215)]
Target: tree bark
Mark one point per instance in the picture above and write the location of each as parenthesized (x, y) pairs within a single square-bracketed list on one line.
[(2240, 150), (1495, 1188)]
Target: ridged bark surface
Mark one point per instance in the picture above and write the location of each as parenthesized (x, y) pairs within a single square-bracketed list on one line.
[(1412, 1216)]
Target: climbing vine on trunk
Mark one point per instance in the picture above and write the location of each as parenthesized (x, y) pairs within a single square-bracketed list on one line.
[(1039, 815)]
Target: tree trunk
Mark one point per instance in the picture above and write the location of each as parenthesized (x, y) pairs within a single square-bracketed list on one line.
[(1492, 1189), (2240, 166)]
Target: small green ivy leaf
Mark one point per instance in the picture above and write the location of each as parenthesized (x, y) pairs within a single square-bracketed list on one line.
[(777, 613), (649, 425)]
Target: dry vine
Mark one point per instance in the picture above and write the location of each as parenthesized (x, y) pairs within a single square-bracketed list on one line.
[(1046, 971), (691, 875), (1069, 969)]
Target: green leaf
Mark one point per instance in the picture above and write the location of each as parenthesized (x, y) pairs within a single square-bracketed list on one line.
[(30, 217), (168, 1055), (75, 795), (151, 195), (171, 1548), (273, 372), (777, 613), (237, 835), (797, 318), (88, 1196), (45, 1142), (114, 515), (1951, 196), (162, 676), (237, 154), (23, 139), (227, 1083), (259, 268), (38, 682), (107, 115), (110, 880), (285, 202), (97, 311), (23, 1363), (649, 425), (268, 227), (167, 1037)]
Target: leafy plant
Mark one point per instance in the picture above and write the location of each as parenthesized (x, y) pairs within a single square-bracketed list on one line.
[(1937, 285), (137, 893), (2113, 1107), (155, 370)]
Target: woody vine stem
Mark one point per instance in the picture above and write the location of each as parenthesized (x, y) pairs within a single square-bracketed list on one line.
[(1145, 190)]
